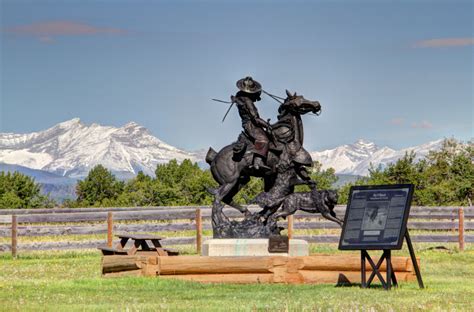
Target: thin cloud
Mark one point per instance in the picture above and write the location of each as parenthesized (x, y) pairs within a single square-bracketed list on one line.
[(397, 121), (422, 125), (426, 124), (47, 31), (444, 42)]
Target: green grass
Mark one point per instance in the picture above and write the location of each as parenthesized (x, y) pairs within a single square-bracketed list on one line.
[(71, 281)]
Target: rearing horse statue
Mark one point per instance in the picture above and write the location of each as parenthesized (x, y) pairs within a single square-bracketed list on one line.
[(232, 165)]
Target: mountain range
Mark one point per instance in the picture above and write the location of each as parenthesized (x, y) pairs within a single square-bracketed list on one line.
[(71, 149), (356, 158), (67, 151)]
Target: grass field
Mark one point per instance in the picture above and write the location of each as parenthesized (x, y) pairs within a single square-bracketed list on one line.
[(71, 281)]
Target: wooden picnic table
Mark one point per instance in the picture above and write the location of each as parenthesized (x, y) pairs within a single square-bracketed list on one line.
[(140, 240), (139, 244)]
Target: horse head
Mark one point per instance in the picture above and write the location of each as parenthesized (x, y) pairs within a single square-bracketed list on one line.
[(298, 104)]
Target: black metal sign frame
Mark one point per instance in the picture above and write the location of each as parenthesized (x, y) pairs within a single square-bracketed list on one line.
[(390, 279)]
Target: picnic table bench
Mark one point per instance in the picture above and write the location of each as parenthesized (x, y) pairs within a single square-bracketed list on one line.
[(140, 245)]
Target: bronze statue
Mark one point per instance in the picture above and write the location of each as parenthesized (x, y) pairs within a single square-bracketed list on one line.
[(254, 126), (273, 152)]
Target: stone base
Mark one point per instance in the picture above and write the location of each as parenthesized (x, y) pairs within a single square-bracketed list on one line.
[(250, 247)]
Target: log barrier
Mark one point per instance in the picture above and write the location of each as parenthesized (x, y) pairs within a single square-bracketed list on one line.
[(314, 269)]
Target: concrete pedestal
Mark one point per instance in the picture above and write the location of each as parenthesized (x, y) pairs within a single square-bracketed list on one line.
[(250, 247)]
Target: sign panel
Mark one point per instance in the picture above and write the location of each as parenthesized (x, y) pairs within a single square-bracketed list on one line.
[(278, 244), (376, 217)]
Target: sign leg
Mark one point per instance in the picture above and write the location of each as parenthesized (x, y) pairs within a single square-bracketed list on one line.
[(363, 280), (394, 278), (388, 261), (413, 260)]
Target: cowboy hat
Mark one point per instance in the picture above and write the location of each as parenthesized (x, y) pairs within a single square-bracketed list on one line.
[(249, 85)]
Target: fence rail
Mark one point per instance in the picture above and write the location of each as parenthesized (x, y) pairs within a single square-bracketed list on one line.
[(16, 223)]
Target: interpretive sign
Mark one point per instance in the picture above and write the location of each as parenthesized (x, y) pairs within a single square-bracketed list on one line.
[(376, 217)]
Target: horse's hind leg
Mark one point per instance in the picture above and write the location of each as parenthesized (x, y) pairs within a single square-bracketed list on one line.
[(222, 192), (229, 197)]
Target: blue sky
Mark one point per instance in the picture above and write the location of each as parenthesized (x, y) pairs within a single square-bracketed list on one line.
[(398, 73)]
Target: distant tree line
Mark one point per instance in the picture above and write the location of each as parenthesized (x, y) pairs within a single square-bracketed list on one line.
[(444, 177), (20, 191)]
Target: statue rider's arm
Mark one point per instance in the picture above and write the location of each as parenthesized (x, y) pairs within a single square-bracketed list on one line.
[(254, 114)]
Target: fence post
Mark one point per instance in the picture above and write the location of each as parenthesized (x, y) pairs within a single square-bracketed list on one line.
[(198, 231), (290, 226), (14, 236), (461, 228), (110, 228)]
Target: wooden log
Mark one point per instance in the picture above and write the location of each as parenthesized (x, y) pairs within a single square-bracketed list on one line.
[(150, 270), (265, 264), (138, 272), (242, 278), (14, 236), (306, 277), (286, 270), (267, 269), (198, 231), (350, 263), (216, 265), (122, 263), (345, 277)]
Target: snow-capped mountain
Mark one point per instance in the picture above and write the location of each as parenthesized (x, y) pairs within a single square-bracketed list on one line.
[(72, 148), (356, 158)]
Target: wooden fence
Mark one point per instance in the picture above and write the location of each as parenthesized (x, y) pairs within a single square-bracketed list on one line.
[(450, 222)]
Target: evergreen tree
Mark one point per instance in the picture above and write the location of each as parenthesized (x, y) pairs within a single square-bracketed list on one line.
[(21, 191), (182, 184), (99, 188), (139, 191)]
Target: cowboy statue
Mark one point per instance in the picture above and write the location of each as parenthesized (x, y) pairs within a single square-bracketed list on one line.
[(274, 153), (254, 127)]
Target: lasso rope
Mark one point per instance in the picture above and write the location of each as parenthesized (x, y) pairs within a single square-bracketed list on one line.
[(276, 98)]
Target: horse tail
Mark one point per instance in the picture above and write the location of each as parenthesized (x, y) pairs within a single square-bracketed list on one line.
[(211, 154)]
